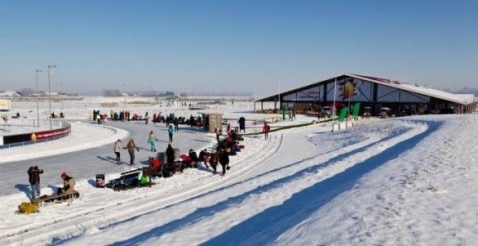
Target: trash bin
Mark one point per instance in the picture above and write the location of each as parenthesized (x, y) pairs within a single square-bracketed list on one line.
[(100, 181)]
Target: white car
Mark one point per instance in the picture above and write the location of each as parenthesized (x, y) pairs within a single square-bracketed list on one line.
[(326, 111)]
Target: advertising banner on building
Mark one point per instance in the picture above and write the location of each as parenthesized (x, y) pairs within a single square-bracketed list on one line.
[(350, 89), (310, 94)]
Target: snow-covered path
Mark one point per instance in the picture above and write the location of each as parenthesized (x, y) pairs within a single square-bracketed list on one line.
[(265, 189), (396, 181)]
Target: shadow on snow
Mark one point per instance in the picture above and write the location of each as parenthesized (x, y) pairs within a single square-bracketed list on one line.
[(257, 229)]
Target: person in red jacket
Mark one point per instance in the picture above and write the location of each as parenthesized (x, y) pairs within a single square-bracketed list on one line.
[(34, 179), (265, 129)]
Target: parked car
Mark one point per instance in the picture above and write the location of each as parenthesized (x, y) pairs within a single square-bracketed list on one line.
[(385, 112), (326, 111)]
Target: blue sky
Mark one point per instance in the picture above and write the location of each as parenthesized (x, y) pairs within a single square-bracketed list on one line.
[(234, 46)]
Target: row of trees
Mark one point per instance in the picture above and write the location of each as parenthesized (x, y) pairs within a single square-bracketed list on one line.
[(30, 92), (117, 93)]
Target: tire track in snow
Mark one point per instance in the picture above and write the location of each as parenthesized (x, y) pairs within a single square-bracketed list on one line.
[(149, 205), (64, 228), (200, 218)]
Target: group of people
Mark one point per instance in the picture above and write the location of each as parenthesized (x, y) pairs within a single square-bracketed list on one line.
[(130, 147), (34, 179), (218, 156)]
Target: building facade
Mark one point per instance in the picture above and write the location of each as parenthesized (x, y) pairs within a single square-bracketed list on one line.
[(373, 93)]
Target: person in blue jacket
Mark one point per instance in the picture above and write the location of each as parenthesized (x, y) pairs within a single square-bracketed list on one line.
[(170, 133)]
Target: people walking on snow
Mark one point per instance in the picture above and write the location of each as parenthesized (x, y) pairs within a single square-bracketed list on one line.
[(265, 129), (116, 149), (34, 179), (170, 133), (152, 141), (131, 146)]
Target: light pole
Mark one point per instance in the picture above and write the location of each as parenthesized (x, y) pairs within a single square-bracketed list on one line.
[(38, 106), (49, 91)]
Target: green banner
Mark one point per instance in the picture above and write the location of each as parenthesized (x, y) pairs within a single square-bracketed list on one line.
[(356, 110), (343, 114)]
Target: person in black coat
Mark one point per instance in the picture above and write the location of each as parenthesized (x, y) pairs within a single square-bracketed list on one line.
[(224, 160), (242, 124), (34, 179), (170, 154)]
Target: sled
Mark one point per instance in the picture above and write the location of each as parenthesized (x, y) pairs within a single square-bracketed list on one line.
[(55, 198), (127, 180)]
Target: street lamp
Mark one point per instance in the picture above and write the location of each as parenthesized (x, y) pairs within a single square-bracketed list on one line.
[(49, 91), (38, 107)]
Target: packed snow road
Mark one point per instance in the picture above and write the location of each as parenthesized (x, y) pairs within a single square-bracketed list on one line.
[(267, 184)]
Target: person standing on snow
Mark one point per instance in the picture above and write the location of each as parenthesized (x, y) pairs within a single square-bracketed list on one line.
[(146, 118), (170, 154), (224, 160), (117, 149), (98, 118), (265, 129), (242, 124), (34, 179), (170, 133), (152, 141), (131, 146)]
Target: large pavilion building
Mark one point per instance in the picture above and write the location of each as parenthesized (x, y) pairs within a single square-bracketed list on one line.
[(373, 93)]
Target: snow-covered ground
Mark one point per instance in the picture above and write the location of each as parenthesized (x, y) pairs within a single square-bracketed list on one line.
[(402, 181)]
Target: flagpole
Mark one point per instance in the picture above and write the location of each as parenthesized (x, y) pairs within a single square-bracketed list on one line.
[(278, 99), (333, 105)]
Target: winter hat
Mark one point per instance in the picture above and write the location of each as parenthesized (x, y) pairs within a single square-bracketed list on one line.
[(63, 175)]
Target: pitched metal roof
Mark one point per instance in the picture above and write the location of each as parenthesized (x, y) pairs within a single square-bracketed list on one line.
[(464, 99)]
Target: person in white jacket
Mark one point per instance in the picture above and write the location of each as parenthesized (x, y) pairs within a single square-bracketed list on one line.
[(117, 149)]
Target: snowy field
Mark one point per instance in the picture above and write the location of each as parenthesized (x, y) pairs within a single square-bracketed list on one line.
[(402, 181)]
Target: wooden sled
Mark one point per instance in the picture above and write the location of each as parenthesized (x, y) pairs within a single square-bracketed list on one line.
[(55, 198)]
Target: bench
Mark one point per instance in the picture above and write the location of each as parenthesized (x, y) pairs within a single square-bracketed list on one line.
[(52, 198)]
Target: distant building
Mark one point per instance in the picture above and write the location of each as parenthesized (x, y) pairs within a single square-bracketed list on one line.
[(372, 92), (9, 94)]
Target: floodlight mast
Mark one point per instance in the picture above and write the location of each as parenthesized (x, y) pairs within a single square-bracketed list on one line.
[(49, 93), (38, 105)]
